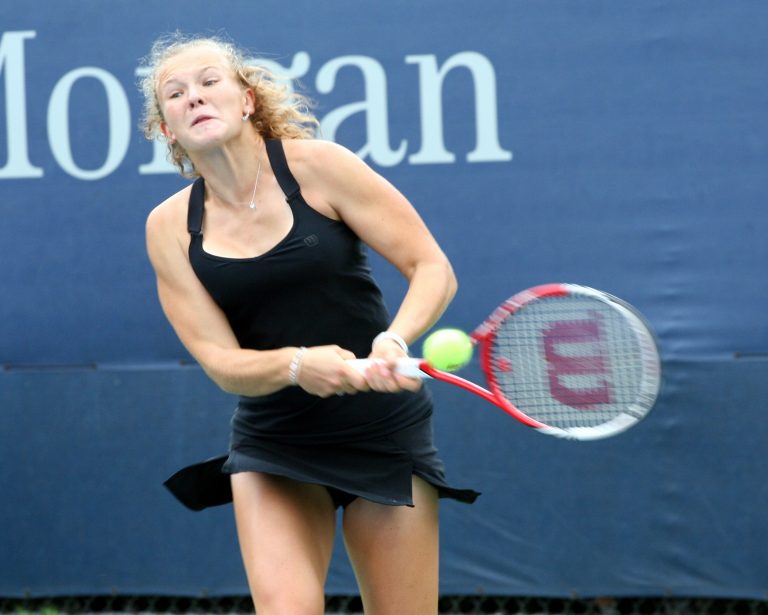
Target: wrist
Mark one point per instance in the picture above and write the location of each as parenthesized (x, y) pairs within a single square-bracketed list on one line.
[(294, 367), (392, 337)]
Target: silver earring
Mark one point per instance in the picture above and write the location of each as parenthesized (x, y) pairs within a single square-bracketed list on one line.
[(246, 116)]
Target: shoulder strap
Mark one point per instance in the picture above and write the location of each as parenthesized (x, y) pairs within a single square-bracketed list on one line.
[(195, 207), (285, 178)]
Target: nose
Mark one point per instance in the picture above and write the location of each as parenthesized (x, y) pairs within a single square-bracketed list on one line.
[(194, 98)]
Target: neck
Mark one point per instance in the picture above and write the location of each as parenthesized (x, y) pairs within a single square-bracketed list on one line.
[(232, 173)]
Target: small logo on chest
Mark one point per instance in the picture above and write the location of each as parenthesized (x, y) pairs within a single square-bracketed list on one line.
[(312, 240)]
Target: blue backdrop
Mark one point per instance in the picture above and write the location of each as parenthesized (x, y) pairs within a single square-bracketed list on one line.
[(618, 145)]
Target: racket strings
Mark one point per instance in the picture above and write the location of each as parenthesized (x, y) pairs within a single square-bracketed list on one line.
[(572, 362)]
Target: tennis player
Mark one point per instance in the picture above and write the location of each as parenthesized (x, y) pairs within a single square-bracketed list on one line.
[(261, 272)]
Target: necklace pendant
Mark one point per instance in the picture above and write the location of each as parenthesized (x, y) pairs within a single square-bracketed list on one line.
[(252, 205)]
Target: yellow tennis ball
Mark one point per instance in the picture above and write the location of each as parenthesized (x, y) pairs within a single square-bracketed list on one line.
[(447, 349)]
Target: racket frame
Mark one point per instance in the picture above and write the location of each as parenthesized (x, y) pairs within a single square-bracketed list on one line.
[(485, 334)]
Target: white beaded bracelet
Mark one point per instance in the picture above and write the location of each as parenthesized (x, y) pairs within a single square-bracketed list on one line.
[(295, 366), (389, 335)]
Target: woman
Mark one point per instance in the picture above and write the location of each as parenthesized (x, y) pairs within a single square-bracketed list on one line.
[(261, 272)]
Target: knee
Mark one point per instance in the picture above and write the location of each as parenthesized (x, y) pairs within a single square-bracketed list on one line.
[(289, 600)]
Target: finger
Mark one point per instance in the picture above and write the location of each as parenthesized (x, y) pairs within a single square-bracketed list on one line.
[(354, 380), (409, 384), (382, 378), (391, 358), (345, 354)]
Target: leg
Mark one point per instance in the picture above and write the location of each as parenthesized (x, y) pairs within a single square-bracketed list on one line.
[(394, 551), (286, 531)]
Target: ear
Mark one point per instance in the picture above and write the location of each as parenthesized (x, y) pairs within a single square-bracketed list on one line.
[(249, 102), (167, 133)]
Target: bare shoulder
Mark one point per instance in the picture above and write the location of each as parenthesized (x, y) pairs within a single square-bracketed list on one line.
[(325, 171), (314, 152), (166, 224), (313, 159), (168, 214)]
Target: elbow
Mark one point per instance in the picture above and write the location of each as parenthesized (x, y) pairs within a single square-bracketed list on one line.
[(220, 379), (228, 387), (452, 282), (236, 386), (216, 366), (237, 381), (454, 285), (441, 276)]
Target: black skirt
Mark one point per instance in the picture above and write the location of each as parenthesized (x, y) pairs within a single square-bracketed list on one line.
[(374, 458)]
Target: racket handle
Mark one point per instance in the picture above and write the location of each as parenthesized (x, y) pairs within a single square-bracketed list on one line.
[(407, 366)]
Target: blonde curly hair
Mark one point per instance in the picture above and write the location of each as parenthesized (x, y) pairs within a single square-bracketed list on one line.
[(280, 113)]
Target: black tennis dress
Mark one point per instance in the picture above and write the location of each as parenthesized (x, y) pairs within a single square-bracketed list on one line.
[(313, 288)]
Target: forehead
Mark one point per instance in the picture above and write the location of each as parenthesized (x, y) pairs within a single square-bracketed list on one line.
[(191, 60)]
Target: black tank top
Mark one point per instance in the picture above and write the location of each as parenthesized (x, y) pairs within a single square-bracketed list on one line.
[(313, 288)]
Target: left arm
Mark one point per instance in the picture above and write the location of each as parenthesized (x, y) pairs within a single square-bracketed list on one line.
[(384, 219)]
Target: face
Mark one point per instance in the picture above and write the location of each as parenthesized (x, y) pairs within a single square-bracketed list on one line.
[(201, 99)]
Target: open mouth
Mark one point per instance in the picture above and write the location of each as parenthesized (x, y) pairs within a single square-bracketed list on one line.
[(201, 119)]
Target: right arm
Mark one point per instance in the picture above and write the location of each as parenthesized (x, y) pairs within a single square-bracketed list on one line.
[(205, 332)]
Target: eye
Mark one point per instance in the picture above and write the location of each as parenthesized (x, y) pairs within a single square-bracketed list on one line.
[(208, 82), (174, 94)]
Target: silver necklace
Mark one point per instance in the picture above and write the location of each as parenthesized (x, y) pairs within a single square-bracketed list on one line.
[(252, 204)]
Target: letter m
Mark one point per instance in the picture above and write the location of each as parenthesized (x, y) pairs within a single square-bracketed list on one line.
[(12, 69)]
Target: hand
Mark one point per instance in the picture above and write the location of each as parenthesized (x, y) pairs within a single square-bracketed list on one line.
[(324, 371), (382, 375)]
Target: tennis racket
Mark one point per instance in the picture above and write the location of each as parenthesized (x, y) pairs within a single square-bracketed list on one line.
[(567, 360)]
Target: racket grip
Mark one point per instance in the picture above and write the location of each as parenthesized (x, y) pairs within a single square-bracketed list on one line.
[(407, 366)]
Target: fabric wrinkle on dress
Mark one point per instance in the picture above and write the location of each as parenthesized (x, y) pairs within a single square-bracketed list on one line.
[(314, 287)]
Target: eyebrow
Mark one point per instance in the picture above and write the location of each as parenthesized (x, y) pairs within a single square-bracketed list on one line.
[(173, 80)]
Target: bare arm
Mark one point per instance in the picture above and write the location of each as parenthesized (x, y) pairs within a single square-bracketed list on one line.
[(382, 217), (205, 332)]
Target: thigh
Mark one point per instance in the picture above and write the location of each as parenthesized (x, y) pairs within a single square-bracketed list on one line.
[(286, 533), (394, 551)]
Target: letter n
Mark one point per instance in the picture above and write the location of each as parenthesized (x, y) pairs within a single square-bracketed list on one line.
[(431, 80)]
